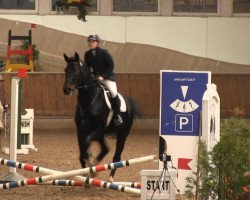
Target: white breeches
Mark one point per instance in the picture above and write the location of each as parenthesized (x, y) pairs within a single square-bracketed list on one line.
[(111, 86), (1, 115)]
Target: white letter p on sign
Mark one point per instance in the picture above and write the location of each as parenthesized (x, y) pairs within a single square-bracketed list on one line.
[(183, 121)]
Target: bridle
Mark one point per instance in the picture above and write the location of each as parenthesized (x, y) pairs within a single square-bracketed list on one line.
[(79, 84)]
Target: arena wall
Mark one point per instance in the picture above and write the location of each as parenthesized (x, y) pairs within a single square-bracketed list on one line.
[(44, 93), (140, 44)]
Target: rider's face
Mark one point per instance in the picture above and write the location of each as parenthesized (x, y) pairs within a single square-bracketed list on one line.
[(93, 44)]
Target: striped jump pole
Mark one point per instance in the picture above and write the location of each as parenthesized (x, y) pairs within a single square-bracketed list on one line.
[(129, 184), (66, 182), (63, 175), (80, 183), (89, 181), (84, 171)]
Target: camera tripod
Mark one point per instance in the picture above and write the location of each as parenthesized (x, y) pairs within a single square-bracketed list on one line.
[(165, 159)]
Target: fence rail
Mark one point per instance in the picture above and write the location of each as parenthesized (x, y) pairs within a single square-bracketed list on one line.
[(44, 93)]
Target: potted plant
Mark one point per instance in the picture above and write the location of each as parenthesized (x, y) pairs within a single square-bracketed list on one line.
[(220, 173), (81, 5)]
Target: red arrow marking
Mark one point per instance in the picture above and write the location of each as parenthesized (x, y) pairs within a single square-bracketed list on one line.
[(33, 25), (22, 73), (183, 163)]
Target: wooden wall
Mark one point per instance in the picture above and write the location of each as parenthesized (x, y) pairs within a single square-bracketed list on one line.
[(43, 92)]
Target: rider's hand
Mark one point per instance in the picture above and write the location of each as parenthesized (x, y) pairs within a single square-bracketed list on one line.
[(100, 78)]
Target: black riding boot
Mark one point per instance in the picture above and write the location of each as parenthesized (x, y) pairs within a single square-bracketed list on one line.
[(117, 106)]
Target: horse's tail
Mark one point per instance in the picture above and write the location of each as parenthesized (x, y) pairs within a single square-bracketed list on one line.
[(135, 109)]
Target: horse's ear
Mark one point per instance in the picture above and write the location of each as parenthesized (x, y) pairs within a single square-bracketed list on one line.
[(66, 58), (77, 57)]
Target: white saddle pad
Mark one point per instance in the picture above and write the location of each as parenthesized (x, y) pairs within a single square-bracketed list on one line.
[(123, 107)]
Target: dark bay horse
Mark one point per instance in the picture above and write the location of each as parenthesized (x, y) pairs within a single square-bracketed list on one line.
[(92, 112)]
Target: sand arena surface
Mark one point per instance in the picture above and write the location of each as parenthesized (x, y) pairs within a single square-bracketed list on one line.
[(58, 149)]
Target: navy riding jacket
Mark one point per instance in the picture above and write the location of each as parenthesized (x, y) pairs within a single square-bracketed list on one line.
[(101, 62)]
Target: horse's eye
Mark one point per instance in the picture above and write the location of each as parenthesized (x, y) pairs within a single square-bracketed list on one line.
[(77, 71)]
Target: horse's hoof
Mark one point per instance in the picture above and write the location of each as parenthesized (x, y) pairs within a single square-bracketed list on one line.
[(92, 175), (111, 179), (87, 186)]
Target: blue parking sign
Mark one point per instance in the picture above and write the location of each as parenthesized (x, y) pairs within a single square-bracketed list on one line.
[(181, 101)]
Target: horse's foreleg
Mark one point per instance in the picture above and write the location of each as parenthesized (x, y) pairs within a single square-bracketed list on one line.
[(120, 143), (83, 143), (83, 148), (104, 149)]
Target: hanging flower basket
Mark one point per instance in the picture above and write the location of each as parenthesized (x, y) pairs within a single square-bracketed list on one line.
[(82, 6)]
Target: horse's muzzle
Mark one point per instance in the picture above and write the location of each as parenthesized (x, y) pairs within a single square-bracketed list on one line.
[(68, 89)]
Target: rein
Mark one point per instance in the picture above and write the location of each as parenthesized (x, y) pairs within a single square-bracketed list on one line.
[(85, 86)]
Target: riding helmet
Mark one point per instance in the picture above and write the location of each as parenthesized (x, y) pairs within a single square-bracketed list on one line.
[(94, 38)]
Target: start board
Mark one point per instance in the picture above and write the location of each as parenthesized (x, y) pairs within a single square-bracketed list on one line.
[(154, 186)]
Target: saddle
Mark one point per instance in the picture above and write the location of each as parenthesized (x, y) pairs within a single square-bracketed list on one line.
[(109, 103)]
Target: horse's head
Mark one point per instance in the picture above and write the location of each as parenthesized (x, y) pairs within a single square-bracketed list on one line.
[(76, 74)]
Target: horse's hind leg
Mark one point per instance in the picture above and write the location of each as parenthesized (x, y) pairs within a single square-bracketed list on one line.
[(120, 143)]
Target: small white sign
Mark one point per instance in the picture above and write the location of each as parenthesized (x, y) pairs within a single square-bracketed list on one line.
[(153, 187), (25, 126), (27, 121)]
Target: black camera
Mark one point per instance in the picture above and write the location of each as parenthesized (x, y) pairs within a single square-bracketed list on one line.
[(165, 157), (5, 107)]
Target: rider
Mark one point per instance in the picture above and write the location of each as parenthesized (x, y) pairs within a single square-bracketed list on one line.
[(101, 62)]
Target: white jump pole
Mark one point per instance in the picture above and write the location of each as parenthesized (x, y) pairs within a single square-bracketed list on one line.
[(13, 175), (14, 120)]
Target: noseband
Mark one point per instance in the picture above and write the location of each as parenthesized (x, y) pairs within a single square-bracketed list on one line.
[(79, 83)]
